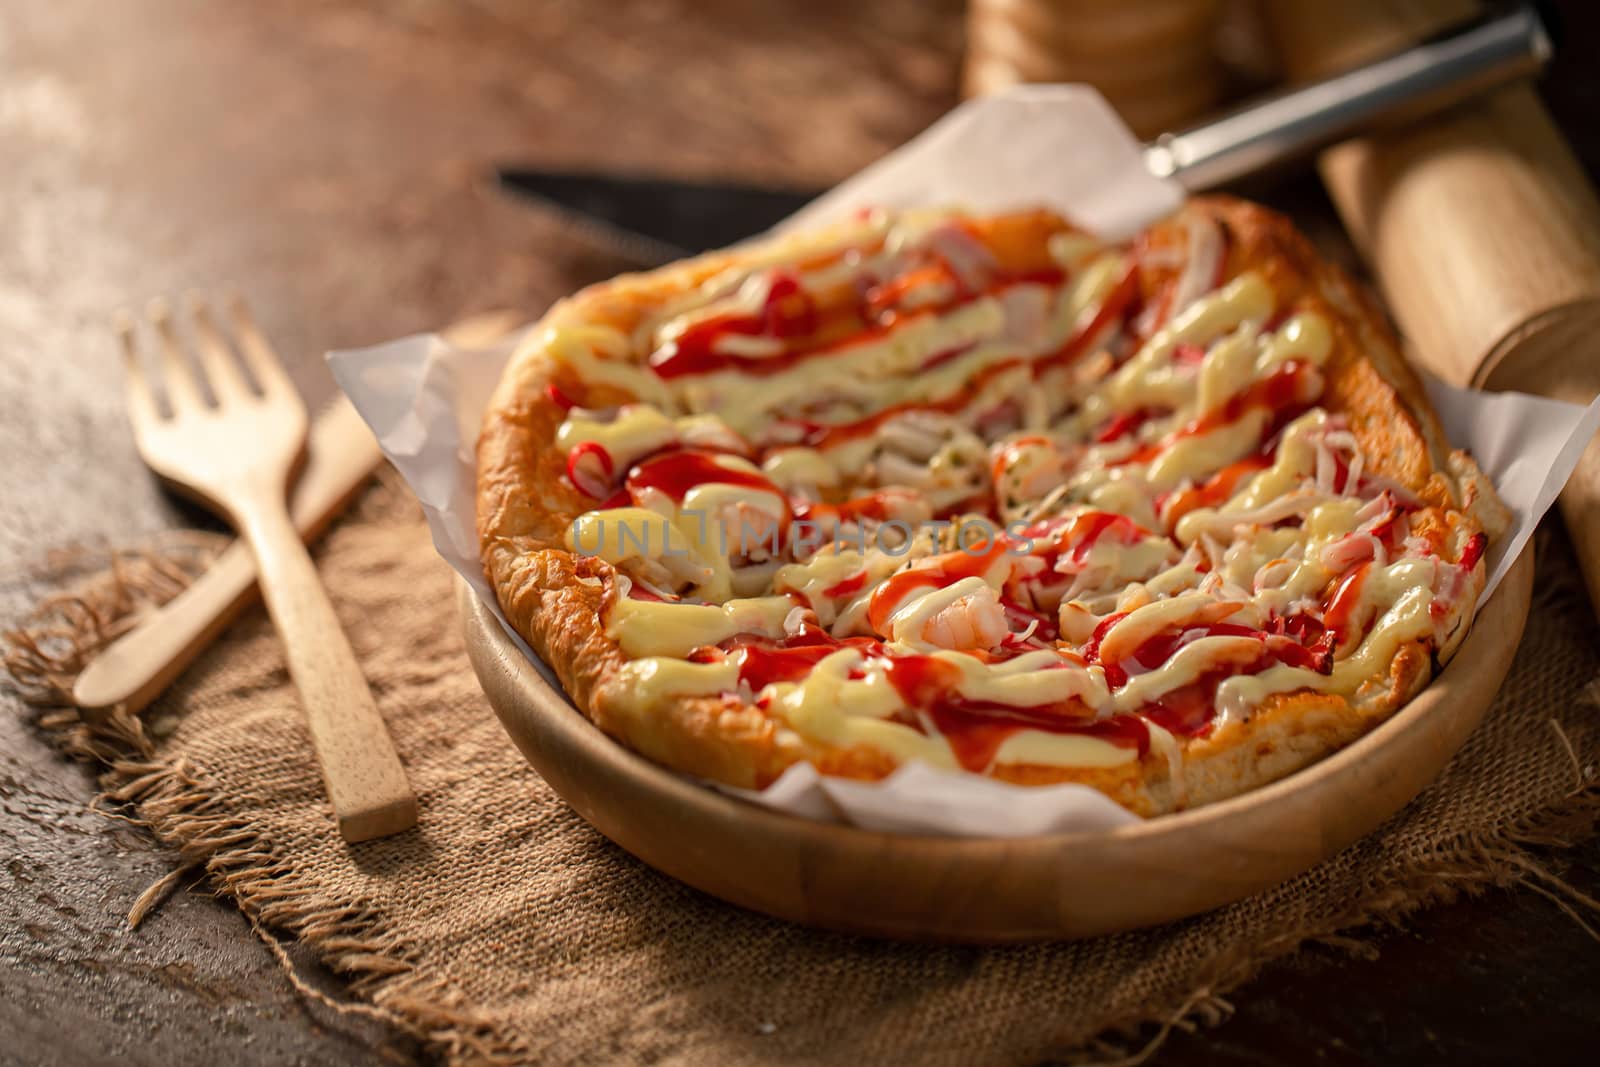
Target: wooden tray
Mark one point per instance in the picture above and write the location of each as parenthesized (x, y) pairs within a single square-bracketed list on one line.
[(995, 890)]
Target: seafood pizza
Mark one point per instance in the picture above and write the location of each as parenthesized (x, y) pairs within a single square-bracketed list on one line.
[(1168, 518)]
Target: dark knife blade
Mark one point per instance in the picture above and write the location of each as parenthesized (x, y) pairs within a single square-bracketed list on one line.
[(659, 219)]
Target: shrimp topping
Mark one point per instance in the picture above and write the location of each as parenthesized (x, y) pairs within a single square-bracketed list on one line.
[(964, 615)]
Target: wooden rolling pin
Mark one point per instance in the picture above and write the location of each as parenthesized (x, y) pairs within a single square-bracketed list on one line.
[(1480, 224)]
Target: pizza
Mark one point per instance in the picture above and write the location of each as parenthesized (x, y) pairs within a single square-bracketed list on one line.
[(1169, 518)]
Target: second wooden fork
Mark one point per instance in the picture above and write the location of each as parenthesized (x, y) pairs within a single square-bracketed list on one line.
[(236, 456)]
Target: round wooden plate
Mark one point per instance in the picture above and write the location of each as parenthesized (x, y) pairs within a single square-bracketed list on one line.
[(996, 889)]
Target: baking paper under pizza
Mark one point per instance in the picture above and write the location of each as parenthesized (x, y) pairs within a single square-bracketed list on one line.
[(1170, 519)]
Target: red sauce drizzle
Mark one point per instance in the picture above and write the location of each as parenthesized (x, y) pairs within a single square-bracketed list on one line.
[(637, 591), (824, 436), (557, 397), (1284, 393), (939, 359), (975, 729), (1341, 473), (791, 315), (763, 664), (1115, 675), (849, 587), (1116, 307), (588, 481), (675, 473), (884, 299), (1214, 490), (1075, 536), (874, 505), (1284, 648), (788, 312), (1188, 711), (763, 661), (1337, 617), (1121, 425), (937, 572)]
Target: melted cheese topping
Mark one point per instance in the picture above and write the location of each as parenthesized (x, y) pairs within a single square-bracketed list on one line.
[(1037, 748), (796, 468), (1029, 680), (653, 628), (620, 534), (832, 707), (636, 431), (1189, 534)]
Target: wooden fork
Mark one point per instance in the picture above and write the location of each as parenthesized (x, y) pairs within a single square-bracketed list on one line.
[(236, 456)]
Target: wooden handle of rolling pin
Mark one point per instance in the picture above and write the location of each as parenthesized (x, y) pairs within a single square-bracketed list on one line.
[(1481, 227)]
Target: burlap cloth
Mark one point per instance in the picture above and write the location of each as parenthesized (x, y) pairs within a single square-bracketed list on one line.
[(505, 928)]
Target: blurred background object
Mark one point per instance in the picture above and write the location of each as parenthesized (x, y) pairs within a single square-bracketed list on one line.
[(1160, 63)]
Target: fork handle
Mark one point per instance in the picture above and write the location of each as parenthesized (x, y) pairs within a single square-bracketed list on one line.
[(360, 767), (135, 668)]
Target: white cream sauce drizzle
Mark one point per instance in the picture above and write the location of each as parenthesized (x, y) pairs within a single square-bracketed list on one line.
[(1231, 560)]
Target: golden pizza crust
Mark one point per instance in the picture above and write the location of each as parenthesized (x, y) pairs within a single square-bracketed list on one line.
[(554, 598)]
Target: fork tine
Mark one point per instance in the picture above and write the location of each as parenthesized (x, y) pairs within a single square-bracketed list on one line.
[(258, 354), (222, 370), (141, 401), (181, 381)]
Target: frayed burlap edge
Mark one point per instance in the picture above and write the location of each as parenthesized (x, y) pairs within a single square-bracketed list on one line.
[(183, 811), (180, 808)]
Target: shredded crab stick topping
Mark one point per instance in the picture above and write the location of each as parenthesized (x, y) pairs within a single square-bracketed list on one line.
[(1170, 529)]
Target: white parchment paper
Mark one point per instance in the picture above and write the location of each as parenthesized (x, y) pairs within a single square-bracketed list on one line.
[(1058, 146)]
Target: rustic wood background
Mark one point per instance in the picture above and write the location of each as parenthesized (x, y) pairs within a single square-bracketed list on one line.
[(330, 158)]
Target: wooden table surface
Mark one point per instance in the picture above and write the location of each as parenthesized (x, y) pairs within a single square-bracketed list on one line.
[(329, 157)]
